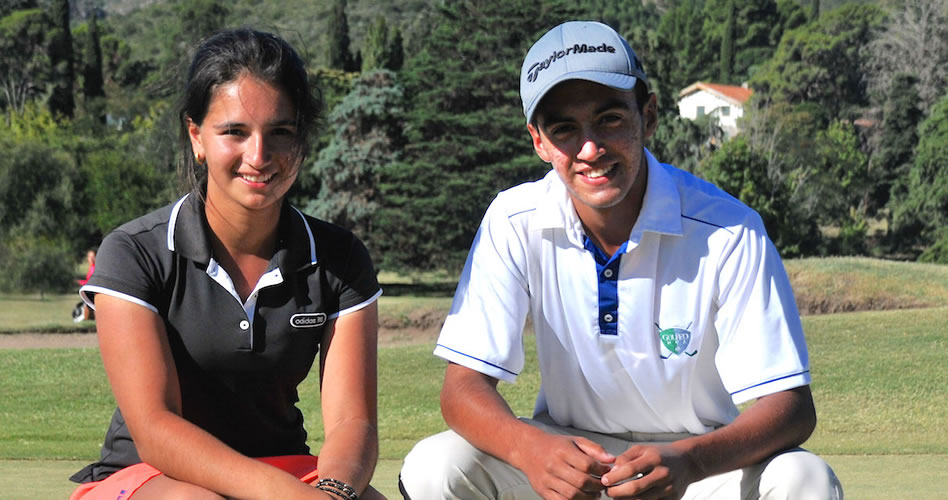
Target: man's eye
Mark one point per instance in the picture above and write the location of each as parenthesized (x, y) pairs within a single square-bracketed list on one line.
[(562, 130), (233, 131), (607, 119), (284, 131)]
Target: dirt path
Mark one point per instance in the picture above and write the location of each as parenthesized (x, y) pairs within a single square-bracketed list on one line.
[(387, 337), (47, 340)]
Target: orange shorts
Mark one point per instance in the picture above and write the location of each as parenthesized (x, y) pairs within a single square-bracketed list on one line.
[(122, 484)]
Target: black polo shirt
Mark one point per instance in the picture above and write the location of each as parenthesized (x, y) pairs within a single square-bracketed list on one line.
[(238, 364)]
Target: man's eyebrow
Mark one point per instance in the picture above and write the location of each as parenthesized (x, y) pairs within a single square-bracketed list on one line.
[(614, 103)]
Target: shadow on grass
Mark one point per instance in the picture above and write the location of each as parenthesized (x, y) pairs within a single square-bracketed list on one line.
[(419, 289)]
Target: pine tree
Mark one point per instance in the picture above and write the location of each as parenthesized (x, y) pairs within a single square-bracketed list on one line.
[(61, 58), (727, 45), (340, 55), (92, 82), (367, 127), (379, 51), (920, 209), (898, 137), (396, 52), (465, 127)]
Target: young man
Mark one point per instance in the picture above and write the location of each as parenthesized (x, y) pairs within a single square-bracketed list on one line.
[(658, 304)]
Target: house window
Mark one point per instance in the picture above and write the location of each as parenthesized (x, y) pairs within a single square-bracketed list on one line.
[(726, 111), (700, 110)]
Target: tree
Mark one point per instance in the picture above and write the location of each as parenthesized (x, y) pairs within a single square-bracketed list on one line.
[(24, 59), (36, 263), (63, 75), (383, 47), (920, 208), (755, 28), (820, 64), (913, 40), (368, 135), (682, 53), (119, 186), (743, 172), (465, 129), (189, 23), (683, 142), (895, 140), (727, 46), (838, 181), (7, 7), (40, 213), (92, 80), (340, 55)]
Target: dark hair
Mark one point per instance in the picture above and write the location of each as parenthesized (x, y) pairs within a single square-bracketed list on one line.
[(224, 57)]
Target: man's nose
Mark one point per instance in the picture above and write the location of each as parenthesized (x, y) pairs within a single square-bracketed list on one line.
[(591, 149)]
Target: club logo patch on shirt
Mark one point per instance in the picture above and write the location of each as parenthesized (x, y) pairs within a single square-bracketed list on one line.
[(308, 320), (675, 341)]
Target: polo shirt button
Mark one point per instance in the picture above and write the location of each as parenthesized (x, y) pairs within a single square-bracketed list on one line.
[(607, 273), (244, 324), (608, 318)]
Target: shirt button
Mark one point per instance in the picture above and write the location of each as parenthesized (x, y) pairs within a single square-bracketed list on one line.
[(607, 273), (244, 324), (608, 318)]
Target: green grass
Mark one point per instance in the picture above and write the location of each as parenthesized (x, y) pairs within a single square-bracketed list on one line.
[(51, 313), (840, 284), (879, 385), (879, 381)]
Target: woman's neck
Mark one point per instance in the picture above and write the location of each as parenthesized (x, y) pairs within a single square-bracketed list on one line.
[(243, 241)]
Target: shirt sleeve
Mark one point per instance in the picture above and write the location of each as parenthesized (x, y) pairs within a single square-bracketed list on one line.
[(124, 269), (484, 329), (359, 286), (762, 347)]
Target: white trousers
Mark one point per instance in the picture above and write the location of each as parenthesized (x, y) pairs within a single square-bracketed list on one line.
[(446, 466)]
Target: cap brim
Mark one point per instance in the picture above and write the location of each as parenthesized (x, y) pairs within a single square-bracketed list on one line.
[(613, 80)]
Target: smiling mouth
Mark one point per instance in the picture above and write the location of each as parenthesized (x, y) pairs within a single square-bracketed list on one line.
[(256, 178), (599, 172)]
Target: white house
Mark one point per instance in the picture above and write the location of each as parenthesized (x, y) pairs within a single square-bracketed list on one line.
[(726, 102)]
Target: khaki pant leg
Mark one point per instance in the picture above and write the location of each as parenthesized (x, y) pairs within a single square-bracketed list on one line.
[(794, 474), (446, 466)]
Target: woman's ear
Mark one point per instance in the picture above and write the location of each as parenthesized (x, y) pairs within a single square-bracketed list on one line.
[(194, 133)]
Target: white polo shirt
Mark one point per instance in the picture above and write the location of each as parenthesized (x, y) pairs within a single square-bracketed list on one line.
[(692, 317)]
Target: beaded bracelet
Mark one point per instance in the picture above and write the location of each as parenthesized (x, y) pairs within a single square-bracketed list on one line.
[(337, 488)]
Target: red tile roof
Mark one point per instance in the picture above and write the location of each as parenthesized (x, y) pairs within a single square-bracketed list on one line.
[(738, 95)]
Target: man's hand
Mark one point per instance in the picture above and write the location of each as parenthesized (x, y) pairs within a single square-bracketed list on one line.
[(561, 467), (667, 473)]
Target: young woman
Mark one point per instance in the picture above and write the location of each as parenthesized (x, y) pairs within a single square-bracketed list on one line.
[(212, 310)]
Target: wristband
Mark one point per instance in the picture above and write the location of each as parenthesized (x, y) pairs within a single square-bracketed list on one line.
[(337, 488)]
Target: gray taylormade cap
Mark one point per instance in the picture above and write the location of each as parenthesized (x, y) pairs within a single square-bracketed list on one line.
[(577, 50)]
